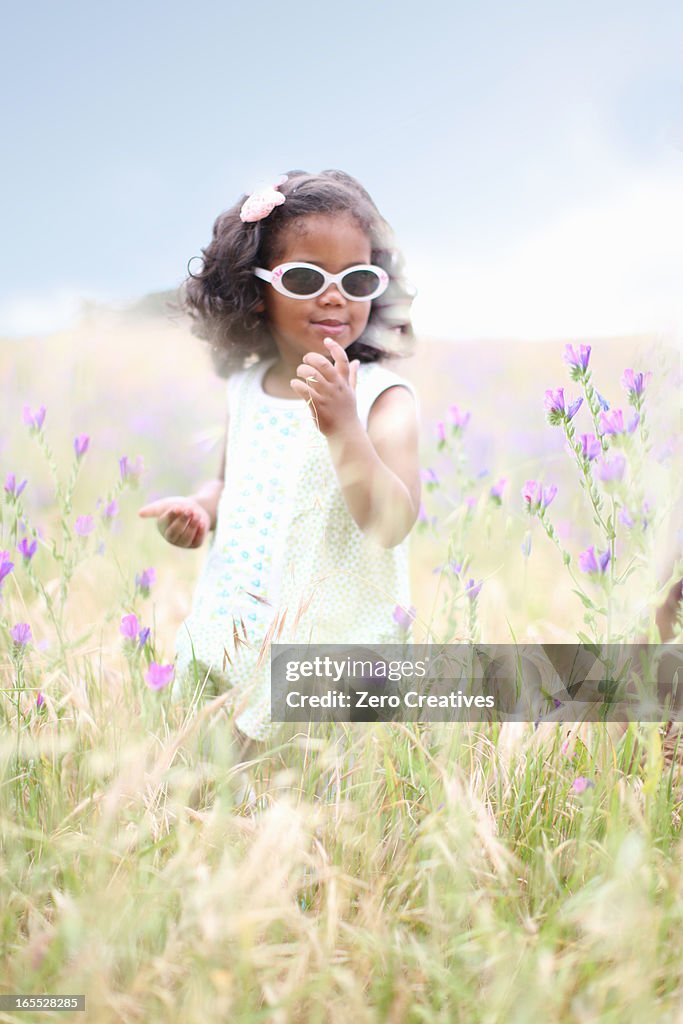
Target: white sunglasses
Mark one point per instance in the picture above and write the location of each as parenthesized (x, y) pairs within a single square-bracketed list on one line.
[(306, 281)]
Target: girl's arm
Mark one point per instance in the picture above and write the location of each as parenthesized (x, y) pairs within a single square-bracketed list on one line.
[(378, 470), (209, 493), (186, 522)]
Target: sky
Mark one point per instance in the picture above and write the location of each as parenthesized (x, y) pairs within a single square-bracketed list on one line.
[(529, 156)]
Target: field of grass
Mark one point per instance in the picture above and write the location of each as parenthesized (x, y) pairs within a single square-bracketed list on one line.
[(399, 873)]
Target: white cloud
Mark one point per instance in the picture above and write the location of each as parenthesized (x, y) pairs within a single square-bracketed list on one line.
[(608, 267)]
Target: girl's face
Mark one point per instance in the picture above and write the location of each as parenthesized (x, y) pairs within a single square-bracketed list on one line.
[(332, 242)]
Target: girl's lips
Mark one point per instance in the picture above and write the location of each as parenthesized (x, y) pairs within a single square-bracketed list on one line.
[(329, 328)]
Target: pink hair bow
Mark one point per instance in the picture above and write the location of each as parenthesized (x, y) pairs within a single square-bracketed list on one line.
[(262, 201)]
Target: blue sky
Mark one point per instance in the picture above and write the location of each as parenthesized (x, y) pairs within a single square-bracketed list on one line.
[(529, 156)]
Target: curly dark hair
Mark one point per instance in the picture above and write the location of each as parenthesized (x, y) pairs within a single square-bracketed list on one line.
[(222, 298)]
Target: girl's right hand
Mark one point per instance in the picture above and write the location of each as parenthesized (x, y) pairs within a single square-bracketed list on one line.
[(181, 521)]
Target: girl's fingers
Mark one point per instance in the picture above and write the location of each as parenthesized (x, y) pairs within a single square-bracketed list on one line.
[(323, 367), (310, 374), (341, 360), (353, 373)]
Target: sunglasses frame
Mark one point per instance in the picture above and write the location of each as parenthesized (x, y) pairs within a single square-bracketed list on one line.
[(274, 277)]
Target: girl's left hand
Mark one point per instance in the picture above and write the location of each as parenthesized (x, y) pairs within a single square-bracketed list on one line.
[(330, 387)]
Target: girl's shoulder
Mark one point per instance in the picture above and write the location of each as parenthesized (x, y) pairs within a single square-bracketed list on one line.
[(373, 379)]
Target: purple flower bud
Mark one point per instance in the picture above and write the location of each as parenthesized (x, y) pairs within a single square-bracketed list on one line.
[(159, 676), (581, 784), (429, 477), (553, 404), (625, 518), (5, 565), (143, 636), (40, 700), (404, 618), (472, 589), (603, 403), (422, 516), (612, 422), (21, 634), (131, 471), (532, 493), (144, 580), (549, 493), (129, 627), (84, 525), (26, 549), (590, 446), (81, 444), (588, 562), (458, 418), (574, 408), (635, 383), (11, 486), (34, 420), (633, 423), (577, 361), (496, 490), (610, 470), (441, 434)]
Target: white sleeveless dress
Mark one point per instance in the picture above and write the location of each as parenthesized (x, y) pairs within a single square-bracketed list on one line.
[(287, 563)]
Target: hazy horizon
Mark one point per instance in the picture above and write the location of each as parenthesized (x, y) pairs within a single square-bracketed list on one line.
[(529, 159)]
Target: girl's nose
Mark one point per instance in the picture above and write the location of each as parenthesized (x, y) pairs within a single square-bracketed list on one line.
[(332, 295)]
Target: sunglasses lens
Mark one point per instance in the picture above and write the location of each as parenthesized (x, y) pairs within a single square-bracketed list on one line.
[(302, 280), (361, 283)]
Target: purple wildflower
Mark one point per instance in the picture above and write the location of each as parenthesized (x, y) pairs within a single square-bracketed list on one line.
[(21, 634), (34, 420), (14, 490), (626, 518), (5, 565), (129, 627), (85, 525), (555, 409), (26, 549), (581, 784), (602, 402), (610, 470), (612, 422), (440, 435), (40, 700), (131, 471), (159, 676), (590, 446), (430, 478), (422, 516), (458, 418), (496, 491), (472, 589), (577, 361), (553, 404), (635, 384), (143, 636), (633, 422), (591, 563), (404, 618), (144, 580), (81, 444)]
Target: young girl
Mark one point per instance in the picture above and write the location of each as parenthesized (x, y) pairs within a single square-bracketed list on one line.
[(301, 295)]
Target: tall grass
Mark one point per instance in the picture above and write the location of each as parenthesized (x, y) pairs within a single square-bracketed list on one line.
[(390, 872)]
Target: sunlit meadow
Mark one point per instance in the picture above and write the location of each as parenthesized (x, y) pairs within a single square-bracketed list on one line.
[(370, 872)]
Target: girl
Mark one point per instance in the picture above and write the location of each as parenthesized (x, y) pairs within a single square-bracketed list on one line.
[(301, 295)]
